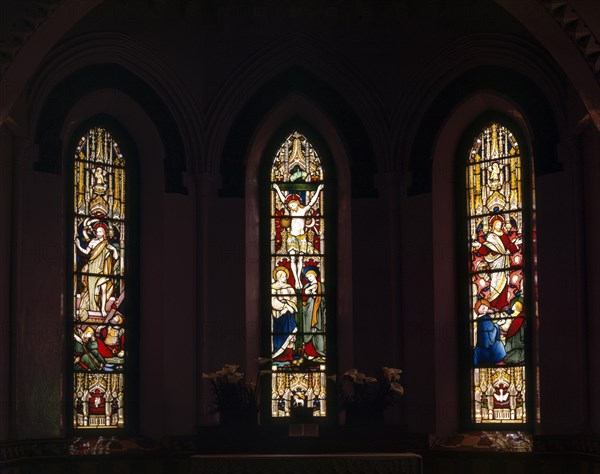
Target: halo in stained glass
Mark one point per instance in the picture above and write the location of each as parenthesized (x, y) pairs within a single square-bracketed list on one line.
[(497, 306), (297, 278), (99, 311)]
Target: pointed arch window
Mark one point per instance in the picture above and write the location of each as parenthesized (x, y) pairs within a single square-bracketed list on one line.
[(500, 302), (100, 321), (297, 279)]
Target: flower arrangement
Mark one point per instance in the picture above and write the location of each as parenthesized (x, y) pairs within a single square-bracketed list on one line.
[(235, 399), (365, 396), (230, 390)]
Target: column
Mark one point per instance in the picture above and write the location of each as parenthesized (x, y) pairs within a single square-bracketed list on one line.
[(6, 171), (206, 193)]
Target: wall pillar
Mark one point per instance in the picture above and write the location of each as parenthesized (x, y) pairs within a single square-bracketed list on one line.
[(206, 194), (590, 151), (389, 184), (6, 172), (37, 295)]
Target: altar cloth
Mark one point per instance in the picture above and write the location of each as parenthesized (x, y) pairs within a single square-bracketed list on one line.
[(341, 463)]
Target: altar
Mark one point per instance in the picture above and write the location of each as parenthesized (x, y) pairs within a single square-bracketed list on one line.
[(367, 463)]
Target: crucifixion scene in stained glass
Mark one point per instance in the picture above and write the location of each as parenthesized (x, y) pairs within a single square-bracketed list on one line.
[(297, 279)]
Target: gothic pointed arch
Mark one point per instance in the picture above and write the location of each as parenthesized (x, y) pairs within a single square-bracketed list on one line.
[(503, 82), (499, 301), (294, 119), (454, 346), (103, 303), (100, 76), (299, 303), (292, 82), (298, 62)]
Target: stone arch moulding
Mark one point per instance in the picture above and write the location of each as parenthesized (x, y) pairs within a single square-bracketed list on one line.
[(117, 61), (296, 63), (58, 20), (106, 76), (444, 153), (302, 82), (296, 107), (574, 48), (127, 114), (147, 196), (500, 82), (514, 67), (83, 120)]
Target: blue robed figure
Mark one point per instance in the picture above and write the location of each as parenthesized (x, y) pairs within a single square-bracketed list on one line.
[(489, 349), (283, 311)]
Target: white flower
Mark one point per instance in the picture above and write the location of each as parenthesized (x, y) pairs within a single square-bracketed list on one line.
[(234, 378), (360, 378), (351, 373), (230, 368), (397, 388), (391, 374)]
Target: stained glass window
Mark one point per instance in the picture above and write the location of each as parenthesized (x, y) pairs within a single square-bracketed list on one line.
[(498, 309), (297, 278), (99, 273)]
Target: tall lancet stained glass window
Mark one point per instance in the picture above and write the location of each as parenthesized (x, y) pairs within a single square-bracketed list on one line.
[(298, 297), (99, 251), (498, 309)]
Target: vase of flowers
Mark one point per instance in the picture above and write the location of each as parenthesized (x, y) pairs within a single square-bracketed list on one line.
[(236, 401), (364, 398)]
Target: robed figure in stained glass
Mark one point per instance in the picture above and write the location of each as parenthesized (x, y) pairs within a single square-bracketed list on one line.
[(99, 277), (514, 333), (489, 349), (97, 284), (284, 310), (87, 353), (497, 279), (314, 317), (297, 278), (496, 247)]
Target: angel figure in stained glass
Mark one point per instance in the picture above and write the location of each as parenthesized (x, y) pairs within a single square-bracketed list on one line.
[(97, 285), (495, 177), (100, 182), (297, 242)]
